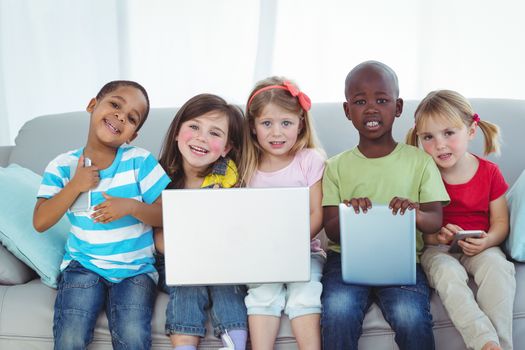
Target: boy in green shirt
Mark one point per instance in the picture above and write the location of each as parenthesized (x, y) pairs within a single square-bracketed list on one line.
[(379, 171)]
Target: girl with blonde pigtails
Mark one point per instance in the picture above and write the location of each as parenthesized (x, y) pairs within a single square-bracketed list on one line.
[(445, 123)]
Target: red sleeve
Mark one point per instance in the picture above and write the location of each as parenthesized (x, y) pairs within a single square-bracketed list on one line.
[(498, 184)]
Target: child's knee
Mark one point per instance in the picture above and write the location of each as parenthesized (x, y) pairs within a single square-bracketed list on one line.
[(409, 317), (493, 262), (72, 333), (339, 306), (70, 340), (132, 336)]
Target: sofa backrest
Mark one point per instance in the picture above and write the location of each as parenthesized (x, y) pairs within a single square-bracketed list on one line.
[(338, 134), (43, 138)]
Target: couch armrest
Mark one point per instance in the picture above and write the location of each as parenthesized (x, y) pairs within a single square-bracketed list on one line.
[(5, 152)]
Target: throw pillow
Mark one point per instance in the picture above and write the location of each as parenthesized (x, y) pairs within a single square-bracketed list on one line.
[(42, 252), (12, 270), (515, 243)]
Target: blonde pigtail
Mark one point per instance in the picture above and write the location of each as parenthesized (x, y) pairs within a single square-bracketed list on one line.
[(411, 137), (491, 133)]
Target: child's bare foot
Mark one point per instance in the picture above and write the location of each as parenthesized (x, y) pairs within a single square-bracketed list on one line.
[(491, 346)]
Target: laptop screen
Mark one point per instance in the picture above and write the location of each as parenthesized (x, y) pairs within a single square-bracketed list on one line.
[(236, 236)]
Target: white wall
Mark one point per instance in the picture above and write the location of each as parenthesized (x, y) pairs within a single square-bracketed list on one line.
[(56, 54)]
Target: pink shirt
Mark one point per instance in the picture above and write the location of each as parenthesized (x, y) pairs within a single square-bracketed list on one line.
[(304, 171)]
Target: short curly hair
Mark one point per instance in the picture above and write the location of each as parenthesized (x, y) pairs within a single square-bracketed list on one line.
[(115, 84)]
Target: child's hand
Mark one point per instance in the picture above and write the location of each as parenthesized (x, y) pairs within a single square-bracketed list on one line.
[(447, 232), (359, 204), (400, 205), (113, 209), (473, 246), (85, 178)]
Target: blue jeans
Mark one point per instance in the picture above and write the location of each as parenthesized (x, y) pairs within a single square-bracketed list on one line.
[(82, 294), (405, 308), (188, 307)]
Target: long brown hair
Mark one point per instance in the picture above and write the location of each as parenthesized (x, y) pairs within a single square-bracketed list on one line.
[(171, 158)]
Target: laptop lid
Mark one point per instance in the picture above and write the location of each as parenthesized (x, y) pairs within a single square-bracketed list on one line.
[(378, 248), (236, 236)]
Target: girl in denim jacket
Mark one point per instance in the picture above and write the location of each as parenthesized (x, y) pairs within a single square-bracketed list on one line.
[(200, 151)]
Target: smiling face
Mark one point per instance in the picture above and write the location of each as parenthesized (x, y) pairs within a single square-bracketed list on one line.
[(372, 103), (276, 130), (203, 140), (116, 116), (445, 142)]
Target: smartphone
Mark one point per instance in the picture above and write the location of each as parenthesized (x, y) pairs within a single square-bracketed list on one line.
[(462, 235), (83, 201)]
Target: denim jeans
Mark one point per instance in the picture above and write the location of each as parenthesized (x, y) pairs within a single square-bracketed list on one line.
[(188, 307), (82, 294), (405, 308)]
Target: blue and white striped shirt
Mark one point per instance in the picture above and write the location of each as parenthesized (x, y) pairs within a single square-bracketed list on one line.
[(122, 248)]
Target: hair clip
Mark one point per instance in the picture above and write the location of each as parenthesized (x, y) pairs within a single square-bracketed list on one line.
[(475, 117), (303, 99)]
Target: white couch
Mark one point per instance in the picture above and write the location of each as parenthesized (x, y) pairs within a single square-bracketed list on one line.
[(26, 310)]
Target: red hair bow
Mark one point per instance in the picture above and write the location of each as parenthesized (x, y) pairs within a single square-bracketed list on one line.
[(303, 99), (475, 118)]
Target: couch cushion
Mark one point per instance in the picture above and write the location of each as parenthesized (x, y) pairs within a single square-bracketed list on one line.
[(32, 304), (26, 316), (42, 252)]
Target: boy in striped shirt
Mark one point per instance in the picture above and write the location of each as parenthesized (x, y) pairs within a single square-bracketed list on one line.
[(108, 261)]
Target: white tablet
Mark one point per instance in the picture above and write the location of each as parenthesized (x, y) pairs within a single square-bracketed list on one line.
[(378, 248)]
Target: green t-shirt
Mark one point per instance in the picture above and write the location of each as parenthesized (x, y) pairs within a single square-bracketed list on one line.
[(407, 172)]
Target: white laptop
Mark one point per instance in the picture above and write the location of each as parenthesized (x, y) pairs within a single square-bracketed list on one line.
[(236, 236), (378, 248)]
